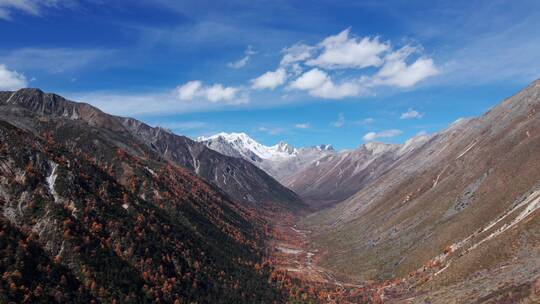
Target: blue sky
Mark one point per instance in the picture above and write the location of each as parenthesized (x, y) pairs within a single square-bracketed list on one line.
[(337, 72)]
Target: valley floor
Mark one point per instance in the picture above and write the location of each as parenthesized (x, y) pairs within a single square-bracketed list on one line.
[(291, 252), (295, 262)]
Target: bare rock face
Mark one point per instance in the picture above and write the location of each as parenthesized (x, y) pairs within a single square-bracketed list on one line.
[(55, 106), (39, 112), (459, 208)]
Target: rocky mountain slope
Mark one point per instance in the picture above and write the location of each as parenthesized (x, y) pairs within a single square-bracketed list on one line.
[(460, 214), (80, 226), (75, 124), (334, 177)]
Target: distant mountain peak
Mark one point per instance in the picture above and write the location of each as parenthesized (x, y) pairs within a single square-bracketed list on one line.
[(27, 95), (379, 147), (535, 84), (29, 91), (413, 143), (324, 147), (280, 160), (242, 145), (229, 137), (284, 147)]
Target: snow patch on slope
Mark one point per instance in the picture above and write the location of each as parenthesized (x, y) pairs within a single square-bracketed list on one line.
[(528, 205), (51, 180)]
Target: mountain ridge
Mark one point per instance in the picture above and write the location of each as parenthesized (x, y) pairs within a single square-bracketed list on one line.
[(459, 209), (236, 177), (119, 228)]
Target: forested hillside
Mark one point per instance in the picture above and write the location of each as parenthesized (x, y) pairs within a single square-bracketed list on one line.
[(119, 229)]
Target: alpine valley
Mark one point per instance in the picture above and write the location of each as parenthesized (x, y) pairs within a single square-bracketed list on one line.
[(101, 208)]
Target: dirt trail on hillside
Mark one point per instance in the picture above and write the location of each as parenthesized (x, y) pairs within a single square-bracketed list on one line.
[(290, 250)]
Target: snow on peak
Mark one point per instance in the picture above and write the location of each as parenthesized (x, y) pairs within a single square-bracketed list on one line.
[(227, 137), (246, 145), (324, 147), (284, 148)]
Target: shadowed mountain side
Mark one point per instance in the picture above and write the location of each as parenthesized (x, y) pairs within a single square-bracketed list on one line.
[(33, 110), (120, 228)]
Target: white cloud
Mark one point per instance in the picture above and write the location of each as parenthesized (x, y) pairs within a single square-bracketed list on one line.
[(30, 7), (127, 104), (319, 84), (400, 75), (214, 93), (371, 136), (270, 79), (6, 6), (189, 90), (60, 60), (271, 130), (310, 80), (242, 62), (296, 69), (363, 122), (341, 52), (11, 80), (304, 125), (411, 114), (218, 92), (388, 68), (396, 72), (345, 51), (340, 122), (367, 121), (297, 52), (153, 103), (330, 90)]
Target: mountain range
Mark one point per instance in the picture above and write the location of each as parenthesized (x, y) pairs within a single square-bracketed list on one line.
[(76, 124), (321, 175), (102, 208), (280, 160)]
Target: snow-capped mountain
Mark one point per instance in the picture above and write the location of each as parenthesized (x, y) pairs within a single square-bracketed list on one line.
[(241, 145), (280, 160)]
